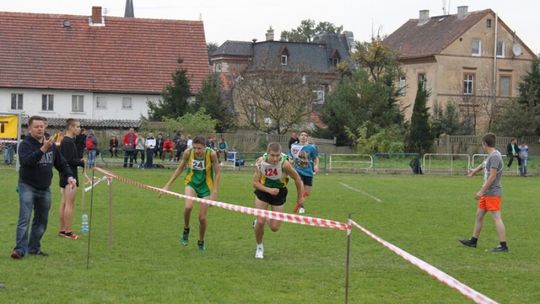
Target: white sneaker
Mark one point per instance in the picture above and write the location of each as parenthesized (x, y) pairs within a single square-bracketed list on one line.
[(301, 211), (259, 252)]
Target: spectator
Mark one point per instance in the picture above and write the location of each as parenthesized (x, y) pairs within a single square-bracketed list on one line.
[(9, 151), (91, 144), (140, 149), (113, 146), (180, 146), (80, 143), (222, 150), (189, 142), (293, 139), (168, 147), (523, 157), (512, 150), (68, 193), (129, 142), (159, 146), (150, 145), (210, 143), (37, 155)]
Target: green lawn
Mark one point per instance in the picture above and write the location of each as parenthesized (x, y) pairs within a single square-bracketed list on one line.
[(424, 215)]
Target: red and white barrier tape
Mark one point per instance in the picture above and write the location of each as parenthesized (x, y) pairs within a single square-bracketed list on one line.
[(430, 269), (281, 216)]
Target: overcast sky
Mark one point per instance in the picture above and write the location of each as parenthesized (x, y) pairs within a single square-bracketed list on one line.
[(248, 19)]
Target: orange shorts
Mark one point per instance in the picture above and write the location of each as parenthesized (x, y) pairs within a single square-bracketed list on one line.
[(490, 203)]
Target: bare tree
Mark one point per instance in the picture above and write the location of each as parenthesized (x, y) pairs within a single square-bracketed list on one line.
[(274, 101)]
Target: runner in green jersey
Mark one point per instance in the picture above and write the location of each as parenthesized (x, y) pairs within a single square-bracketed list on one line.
[(270, 181), (202, 180)]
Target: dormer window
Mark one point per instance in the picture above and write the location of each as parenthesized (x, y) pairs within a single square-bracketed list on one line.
[(335, 58), (284, 52)]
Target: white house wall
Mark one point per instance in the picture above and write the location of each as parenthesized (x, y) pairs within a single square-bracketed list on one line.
[(32, 102)]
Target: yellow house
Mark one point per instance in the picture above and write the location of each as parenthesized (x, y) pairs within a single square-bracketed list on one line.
[(472, 59)]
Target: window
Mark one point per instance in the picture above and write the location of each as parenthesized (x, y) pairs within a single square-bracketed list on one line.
[(126, 103), (500, 49), (488, 23), (16, 101), (284, 59), (335, 62), (101, 102), (402, 85), (77, 103), (504, 86), (422, 79), (468, 84), (319, 95), (252, 115), (476, 47), (218, 67), (47, 102)]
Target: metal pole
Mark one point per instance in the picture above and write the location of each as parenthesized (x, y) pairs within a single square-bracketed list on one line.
[(109, 183), (347, 261)]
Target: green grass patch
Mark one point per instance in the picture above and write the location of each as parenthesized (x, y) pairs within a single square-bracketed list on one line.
[(424, 215)]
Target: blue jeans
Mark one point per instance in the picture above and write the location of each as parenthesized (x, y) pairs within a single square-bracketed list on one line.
[(130, 154), (523, 167), (91, 158), (149, 158), (30, 199), (8, 155)]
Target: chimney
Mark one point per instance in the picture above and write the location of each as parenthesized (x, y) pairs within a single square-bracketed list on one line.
[(270, 34), (96, 15), (462, 12), (423, 17), (129, 12)]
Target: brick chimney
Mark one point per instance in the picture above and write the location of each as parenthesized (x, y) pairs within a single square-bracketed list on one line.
[(270, 34), (423, 17), (462, 11), (96, 14)]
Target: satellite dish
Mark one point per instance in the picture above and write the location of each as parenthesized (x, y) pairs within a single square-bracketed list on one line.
[(516, 49)]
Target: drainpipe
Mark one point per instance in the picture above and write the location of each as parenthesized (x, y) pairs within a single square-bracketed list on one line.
[(494, 72)]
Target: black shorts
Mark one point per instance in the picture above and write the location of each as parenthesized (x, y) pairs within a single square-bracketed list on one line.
[(276, 200), (307, 180), (63, 180)]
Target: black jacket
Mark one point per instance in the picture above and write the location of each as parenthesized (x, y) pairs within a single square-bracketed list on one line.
[(509, 149), (36, 166)]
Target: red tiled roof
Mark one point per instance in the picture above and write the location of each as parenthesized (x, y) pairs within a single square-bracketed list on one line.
[(127, 55), (414, 41)]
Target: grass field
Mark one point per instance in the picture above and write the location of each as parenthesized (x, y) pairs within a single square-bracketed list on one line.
[(424, 215)]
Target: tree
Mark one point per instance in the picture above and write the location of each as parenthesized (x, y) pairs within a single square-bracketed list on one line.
[(209, 97), (359, 101), (521, 116), (421, 138), (175, 98), (198, 123), (211, 47), (275, 101), (377, 58), (448, 121), (308, 29)]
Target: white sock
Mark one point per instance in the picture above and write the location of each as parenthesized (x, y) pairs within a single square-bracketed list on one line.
[(260, 246)]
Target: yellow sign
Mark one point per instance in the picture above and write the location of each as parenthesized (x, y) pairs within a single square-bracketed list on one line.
[(9, 124)]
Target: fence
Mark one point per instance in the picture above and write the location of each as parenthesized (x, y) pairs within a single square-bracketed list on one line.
[(396, 163)]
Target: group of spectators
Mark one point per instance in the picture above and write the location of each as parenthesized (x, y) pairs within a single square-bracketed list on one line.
[(519, 152)]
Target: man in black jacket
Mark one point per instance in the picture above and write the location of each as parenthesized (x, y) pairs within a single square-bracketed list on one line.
[(37, 156), (512, 150)]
